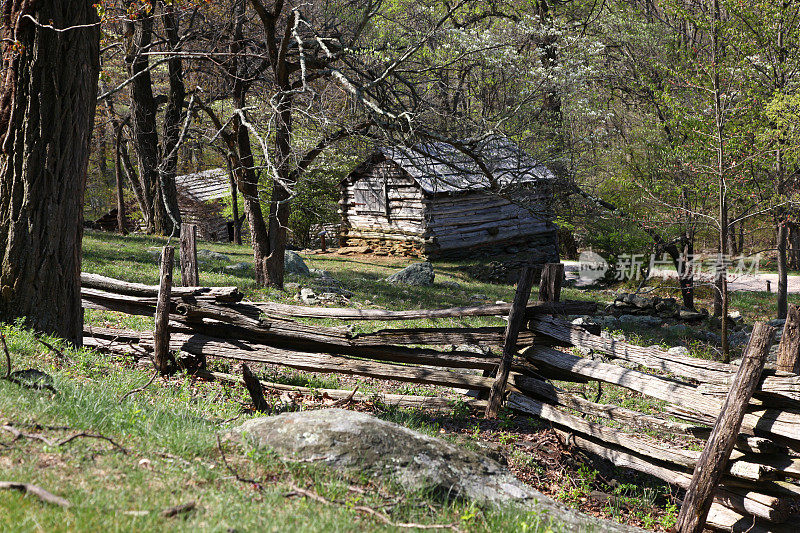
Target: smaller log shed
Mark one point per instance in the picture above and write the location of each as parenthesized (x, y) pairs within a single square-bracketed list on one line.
[(201, 199), (434, 200)]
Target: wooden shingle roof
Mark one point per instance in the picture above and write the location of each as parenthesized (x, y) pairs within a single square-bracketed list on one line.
[(205, 186), (441, 168)]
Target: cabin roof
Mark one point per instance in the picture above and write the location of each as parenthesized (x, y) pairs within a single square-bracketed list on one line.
[(205, 186), (441, 168)]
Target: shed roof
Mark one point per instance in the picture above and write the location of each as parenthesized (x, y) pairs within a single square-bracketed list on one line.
[(204, 186), (440, 167)]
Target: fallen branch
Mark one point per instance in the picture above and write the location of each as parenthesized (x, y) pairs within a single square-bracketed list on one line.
[(178, 509), (50, 347), (27, 488), (139, 389), (85, 435), (346, 400), (8, 355), (82, 434)]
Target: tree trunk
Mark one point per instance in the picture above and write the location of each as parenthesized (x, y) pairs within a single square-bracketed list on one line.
[(143, 116), (279, 206), (237, 226), (47, 105), (794, 240), (172, 127), (782, 239)]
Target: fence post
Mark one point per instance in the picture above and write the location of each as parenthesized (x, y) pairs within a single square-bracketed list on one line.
[(190, 276), (789, 348), (550, 284), (714, 459), (254, 388), (516, 319), (162, 359)]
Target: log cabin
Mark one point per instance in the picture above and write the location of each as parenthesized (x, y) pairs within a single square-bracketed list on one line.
[(434, 200), (202, 199)]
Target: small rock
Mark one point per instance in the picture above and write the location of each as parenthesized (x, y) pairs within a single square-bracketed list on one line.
[(678, 350), (679, 330), (473, 348), (689, 314), (294, 264), (291, 287), (212, 256), (777, 323), (478, 297), (308, 296), (640, 321), (420, 274), (451, 284), (237, 267)]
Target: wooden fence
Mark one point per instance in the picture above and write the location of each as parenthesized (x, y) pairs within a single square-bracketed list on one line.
[(757, 490)]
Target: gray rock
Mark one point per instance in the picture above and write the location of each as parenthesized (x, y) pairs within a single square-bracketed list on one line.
[(357, 441), (473, 348), (451, 284), (414, 274), (678, 350), (688, 314), (210, 255), (777, 322), (645, 321), (679, 330), (238, 267), (291, 287), (294, 264), (308, 296), (738, 338)]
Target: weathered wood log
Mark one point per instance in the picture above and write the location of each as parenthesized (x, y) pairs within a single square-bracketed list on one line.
[(400, 400), (683, 458), (686, 402), (550, 282), (744, 500), (486, 336), (190, 277), (324, 363), (111, 285), (569, 307), (516, 318), (162, 358), (713, 461), (710, 373), (546, 391), (789, 347), (254, 389), (656, 359)]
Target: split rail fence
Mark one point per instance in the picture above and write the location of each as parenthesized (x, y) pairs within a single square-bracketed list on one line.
[(757, 489)]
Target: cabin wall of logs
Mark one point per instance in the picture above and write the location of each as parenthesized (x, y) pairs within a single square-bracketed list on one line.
[(681, 396), (386, 210)]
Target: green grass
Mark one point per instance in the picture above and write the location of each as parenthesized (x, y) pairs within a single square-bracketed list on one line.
[(170, 433)]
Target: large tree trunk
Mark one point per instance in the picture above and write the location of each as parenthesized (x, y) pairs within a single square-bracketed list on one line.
[(143, 117), (168, 168), (47, 104), (279, 206)]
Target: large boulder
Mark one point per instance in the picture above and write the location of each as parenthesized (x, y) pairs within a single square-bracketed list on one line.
[(414, 274), (294, 264), (360, 442)]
